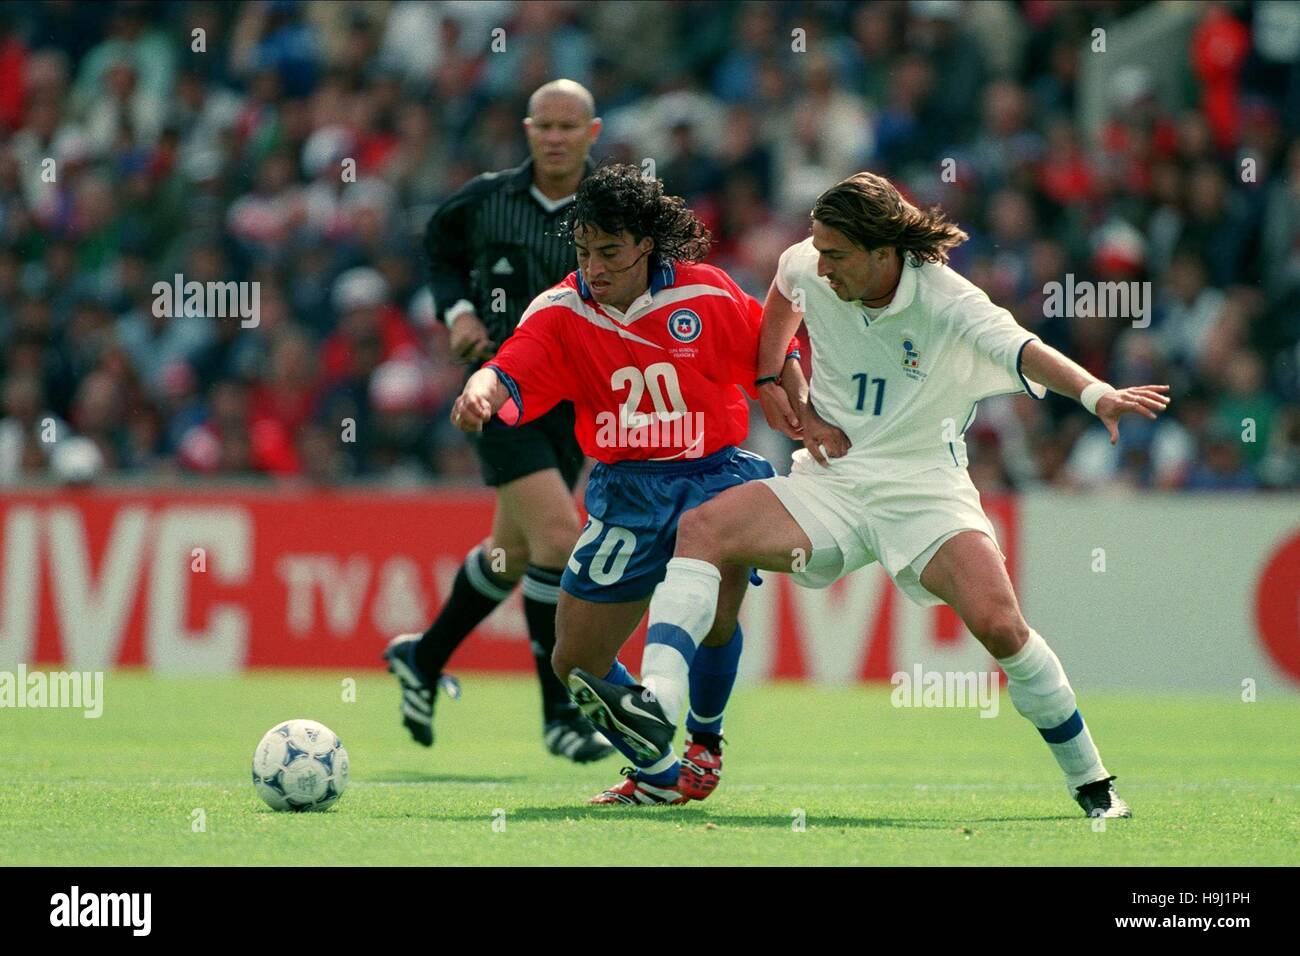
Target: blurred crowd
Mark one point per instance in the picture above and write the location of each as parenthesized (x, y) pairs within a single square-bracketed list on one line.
[(139, 141)]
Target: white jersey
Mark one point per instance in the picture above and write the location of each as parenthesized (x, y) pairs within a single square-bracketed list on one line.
[(903, 384)]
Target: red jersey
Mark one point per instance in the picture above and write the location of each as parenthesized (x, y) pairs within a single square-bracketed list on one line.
[(663, 381)]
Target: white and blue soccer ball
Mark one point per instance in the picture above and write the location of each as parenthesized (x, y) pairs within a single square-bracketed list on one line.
[(300, 765)]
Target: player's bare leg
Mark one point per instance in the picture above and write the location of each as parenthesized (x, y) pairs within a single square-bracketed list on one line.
[(542, 508), (588, 634), (745, 526), (534, 526), (968, 574), (590, 637), (731, 594), (588, 640)]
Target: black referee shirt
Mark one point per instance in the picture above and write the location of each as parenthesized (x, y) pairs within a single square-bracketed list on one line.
[(492, 234)]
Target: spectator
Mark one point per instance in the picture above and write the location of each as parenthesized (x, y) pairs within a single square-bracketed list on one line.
[(228, 165)]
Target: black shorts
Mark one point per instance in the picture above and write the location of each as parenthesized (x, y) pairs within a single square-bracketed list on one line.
[(507, 453)]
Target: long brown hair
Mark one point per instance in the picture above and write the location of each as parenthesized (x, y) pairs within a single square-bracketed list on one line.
[(872, 213)]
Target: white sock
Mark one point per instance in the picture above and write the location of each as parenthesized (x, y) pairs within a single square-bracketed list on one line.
[(1041, 693), (681, 614)]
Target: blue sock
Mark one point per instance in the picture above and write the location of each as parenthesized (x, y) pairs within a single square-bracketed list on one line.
[(665, 778), (618, 674), (713, 674)]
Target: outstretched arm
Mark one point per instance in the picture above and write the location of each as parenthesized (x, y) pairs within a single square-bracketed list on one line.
[(525, 380), (482, 397), (785, 403), (1044, 364)]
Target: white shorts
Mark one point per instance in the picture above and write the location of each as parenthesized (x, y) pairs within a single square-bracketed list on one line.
[(854, 520)]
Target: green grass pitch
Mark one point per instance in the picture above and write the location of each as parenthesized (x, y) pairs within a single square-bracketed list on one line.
[(1211, 781)]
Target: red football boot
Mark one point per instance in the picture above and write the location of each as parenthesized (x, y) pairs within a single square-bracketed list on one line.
[(701, 767), (638, 793)]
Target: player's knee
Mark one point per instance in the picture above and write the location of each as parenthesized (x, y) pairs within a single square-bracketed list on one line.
[(1002, 630), (553, 542), (562, 663), (697, 531)]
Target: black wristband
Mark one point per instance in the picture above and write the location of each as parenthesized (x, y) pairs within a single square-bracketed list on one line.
[(767, 380)]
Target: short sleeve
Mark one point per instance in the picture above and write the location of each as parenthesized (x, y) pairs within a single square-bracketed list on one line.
[(531, 366), (746, 360), (998, 343), (742, 315), (786, 280)]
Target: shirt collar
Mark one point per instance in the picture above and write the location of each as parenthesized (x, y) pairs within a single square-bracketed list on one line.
[(903, 295), (662, 275), (550, 205), (521, 177)]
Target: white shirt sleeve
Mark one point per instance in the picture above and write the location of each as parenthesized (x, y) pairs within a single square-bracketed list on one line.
[(786, 272), (998, 342)]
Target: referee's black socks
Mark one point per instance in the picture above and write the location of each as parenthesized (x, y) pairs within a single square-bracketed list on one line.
[(541, 595), (477, 591)]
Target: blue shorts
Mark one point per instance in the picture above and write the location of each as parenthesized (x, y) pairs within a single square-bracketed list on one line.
[(633, 508)]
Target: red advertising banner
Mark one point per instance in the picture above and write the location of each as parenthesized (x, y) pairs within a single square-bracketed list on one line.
[(214, 582)]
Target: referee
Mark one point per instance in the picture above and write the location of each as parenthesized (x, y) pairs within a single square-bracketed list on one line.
[(493, 246)]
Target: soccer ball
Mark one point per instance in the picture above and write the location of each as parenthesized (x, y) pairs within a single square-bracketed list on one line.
[(300, 765)]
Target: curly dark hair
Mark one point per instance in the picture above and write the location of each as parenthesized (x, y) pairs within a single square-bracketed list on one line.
[(618, 197)]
